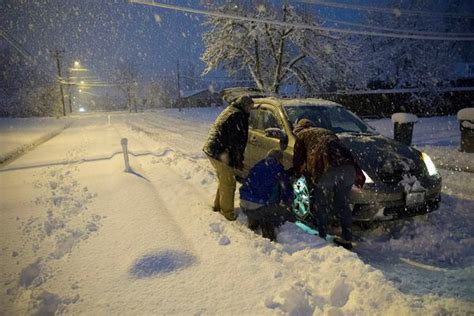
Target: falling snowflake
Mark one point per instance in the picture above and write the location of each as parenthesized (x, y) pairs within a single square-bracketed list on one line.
[(397, 12), (157, 18)]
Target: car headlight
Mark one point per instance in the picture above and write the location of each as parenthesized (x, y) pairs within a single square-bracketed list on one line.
[(367, 178), (429, 164)]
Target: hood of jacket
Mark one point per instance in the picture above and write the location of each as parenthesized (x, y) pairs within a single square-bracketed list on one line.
[(301, 125)]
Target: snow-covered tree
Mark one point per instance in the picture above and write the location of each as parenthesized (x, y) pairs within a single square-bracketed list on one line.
[(43, 100), (157, 94), (126, 78), (24, 90), (410, 63), (275, 55)]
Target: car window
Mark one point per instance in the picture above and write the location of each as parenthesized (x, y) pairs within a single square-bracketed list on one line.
[(334, 118), (340, 122), (268, 120), (253, 122)]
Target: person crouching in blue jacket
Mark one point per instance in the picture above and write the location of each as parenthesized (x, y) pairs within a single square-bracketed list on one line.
[(266, 195)]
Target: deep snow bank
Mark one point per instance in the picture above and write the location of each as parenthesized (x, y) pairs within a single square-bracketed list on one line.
[(20, 134)]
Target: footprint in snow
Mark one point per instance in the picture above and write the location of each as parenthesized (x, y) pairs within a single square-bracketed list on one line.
[(218, 230), (224, 240)]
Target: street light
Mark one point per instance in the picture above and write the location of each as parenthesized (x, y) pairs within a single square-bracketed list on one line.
[(77, 66)]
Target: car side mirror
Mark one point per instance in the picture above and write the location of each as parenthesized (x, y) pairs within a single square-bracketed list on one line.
[(277, 133)]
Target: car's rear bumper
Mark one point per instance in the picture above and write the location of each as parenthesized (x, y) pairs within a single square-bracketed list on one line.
[(381, 203)]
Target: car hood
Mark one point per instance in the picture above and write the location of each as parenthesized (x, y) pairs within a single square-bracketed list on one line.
[(383, 158)]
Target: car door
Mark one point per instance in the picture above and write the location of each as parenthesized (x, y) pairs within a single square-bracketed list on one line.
[(250, 158), (267, 118)]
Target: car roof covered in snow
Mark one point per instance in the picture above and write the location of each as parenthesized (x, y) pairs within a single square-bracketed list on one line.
[(299, 101), (231, 94)]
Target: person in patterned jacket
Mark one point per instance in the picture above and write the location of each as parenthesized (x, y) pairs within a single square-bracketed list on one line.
[(330, 171)]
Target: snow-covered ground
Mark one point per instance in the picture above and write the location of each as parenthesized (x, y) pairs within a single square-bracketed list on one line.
[(18, 135), (80, 236)]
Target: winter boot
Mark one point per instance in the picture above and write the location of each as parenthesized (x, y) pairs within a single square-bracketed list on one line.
[(268, 231), (252, 224), (229, 216), (343, 243)]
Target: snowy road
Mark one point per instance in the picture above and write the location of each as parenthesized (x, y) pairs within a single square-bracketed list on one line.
[(87, 238)]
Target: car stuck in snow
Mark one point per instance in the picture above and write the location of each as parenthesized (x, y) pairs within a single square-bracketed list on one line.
[(400, 180)]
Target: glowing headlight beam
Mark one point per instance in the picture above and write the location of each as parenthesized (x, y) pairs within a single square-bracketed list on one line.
[(367, 178), (429, 164)]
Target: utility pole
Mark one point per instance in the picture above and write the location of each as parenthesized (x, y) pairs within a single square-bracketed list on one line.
[(179, 88), (58, 54), (69, 91)]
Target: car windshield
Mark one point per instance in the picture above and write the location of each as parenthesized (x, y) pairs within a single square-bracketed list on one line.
[(334, 118)]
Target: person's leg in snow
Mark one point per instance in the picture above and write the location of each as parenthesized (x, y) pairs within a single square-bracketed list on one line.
[(226, 189), (331, 193), (272, 216), (320, 204), (217, 204), (268, 230), (253, 224), (345, 180)]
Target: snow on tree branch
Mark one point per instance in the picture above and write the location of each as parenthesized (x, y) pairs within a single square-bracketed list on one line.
[(276, 54)]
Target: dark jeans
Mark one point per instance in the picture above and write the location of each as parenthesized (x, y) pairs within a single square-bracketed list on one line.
[(267, 218), (331, 193)]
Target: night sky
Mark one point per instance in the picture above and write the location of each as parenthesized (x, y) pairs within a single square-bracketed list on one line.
[(102, 34)]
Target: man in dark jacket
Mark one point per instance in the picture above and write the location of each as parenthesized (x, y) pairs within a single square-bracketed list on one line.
[(266, 194), (225, 148), (330, 171)]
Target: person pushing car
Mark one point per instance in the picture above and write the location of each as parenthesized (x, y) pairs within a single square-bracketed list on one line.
[(225, 149), (330, 171)]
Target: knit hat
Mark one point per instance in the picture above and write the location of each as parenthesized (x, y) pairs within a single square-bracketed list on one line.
[(275, 153), (302, 125), (244, 102)]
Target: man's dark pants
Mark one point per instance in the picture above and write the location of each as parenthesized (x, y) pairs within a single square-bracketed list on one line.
[(268, 217), (331, 193)]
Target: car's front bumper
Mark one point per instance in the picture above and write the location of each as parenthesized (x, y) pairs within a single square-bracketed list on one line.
[(379, 202)]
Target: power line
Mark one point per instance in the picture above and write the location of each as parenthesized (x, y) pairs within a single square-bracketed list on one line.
[(299, 25), (13, 42), (216, 80), (95, 84), (395, 11), (396, 30), (58, 55)]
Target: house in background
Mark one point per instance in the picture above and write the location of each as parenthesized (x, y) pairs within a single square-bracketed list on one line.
[(198, 98)]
